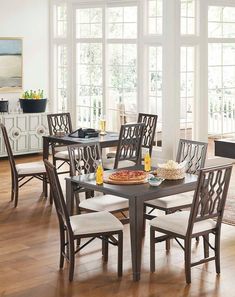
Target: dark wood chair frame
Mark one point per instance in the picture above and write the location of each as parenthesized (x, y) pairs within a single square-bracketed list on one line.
[(186, 148), (84, 159), (18, 180), (150, 121), (67, 236), (129, 144), (208, 203), (59, 122)]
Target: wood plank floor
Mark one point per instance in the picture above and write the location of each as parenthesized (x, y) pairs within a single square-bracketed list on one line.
[(29, 257)]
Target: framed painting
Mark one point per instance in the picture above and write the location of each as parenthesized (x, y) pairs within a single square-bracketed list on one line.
[(11, 64)]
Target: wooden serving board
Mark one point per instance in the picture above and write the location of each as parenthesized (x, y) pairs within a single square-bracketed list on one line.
[(123, 182)]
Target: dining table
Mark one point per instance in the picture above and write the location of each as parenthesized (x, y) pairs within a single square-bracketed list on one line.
[(136, 194), (110, 139)]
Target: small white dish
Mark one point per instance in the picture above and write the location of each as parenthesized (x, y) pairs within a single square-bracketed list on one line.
[(155, 181)]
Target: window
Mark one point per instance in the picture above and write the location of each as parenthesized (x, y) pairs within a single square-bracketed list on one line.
[(155, 84), (221, 70), (221, 88), (62, 76), (60, 57), (118, 65), (188, 17), (60, 29), (89, 84), (187, 76), (221, 21), (122, 65), (122, 22), (89, 23), (155, 16)]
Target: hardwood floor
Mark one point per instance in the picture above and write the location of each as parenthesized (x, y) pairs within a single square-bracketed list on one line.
[(29, 257)]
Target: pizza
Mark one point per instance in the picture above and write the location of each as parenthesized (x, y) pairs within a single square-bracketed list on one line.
[(128, 175)]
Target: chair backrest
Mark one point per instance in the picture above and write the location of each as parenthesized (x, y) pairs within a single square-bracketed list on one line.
[(59, 122), (84, 158), (129, 144), (210, 195), (9, 150), (194, 152), (150, 121), (57, 194)]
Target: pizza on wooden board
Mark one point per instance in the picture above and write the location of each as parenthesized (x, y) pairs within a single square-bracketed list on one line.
[(128, 175)]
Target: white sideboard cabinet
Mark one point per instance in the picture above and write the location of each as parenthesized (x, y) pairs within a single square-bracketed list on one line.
[(25, 132)]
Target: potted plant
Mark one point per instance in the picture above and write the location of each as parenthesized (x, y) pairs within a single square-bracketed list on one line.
[(33, 101)]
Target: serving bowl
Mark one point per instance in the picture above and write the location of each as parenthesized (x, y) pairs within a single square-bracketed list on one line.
[(155, 181)]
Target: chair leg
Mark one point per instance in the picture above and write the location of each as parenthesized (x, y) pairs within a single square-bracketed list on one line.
[(105, 248), (51, 197), (217, 252), (144, 222), (120, 253), (71, 258), (45, 185), (187, 260), (62, 246), (16, 191), (168, 241), (152, 250), (12, 188), (206, 246)]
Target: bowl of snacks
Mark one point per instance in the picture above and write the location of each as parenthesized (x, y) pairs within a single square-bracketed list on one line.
[(172, 170), (154, 181)]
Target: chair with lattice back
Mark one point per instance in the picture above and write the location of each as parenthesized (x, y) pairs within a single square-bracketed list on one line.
[(129, 147), (59, 124), (102, 225), (83, 160), (203, 219), (150, 124), (21, 174), (194, 153)]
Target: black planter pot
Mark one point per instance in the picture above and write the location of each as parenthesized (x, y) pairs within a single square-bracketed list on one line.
[(33, 105)]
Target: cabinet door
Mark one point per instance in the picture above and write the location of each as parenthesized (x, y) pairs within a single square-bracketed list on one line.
[(37, 128), (17, 126)]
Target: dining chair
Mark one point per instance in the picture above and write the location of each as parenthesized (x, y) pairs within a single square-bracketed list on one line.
[(129, 147), (102, 225), (59, 124), (194, 152), (21, 172), (150, 124), (203, 219), (150, 121), (84, 159)]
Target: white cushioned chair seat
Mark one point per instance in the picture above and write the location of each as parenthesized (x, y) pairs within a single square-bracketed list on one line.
[(178, 223), (109, 163), (31, 168), (96, 222), (62, 155), (111, 155), (105, 202), (172, 201)]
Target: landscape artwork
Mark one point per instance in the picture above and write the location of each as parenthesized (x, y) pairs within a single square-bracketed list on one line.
[(10, 64)]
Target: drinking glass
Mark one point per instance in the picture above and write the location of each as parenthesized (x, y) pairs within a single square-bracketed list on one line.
[(102, 124)]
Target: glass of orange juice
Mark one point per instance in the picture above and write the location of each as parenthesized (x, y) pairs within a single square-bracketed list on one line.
[(102, 124)]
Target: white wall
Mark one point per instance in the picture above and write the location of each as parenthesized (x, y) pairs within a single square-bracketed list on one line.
[(28, 19)]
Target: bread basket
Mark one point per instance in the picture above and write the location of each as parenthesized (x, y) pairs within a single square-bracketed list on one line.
[(172, 173)]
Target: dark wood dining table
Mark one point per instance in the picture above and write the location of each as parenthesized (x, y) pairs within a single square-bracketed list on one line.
[(136, 194), (108, 140)]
